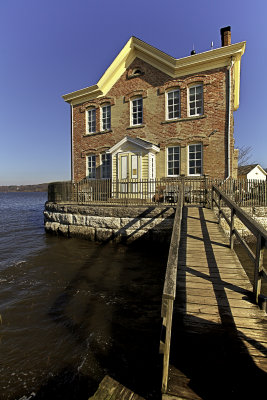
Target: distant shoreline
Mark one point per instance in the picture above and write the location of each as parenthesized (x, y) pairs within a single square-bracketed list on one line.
[(41, 187)]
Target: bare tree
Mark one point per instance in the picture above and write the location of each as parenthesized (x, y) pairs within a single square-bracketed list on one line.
[(244, 155)]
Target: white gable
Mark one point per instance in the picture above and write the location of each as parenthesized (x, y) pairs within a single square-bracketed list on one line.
[(257, 173), (133, 144)]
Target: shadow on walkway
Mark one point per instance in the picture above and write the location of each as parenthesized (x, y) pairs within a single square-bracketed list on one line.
[(208, 359)]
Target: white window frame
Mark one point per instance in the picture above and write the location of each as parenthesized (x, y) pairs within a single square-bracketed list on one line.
[(195, 159), (105, 168), (132, 112), (91, 163), (88, 128), (195, 100), (167, 161), (167, 104), (105, 119)]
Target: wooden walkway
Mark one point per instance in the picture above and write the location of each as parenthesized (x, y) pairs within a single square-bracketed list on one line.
[(109, 389), (219, 337)]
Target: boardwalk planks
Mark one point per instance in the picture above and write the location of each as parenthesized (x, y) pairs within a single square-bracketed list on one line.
[(219, 336), (109, 389)]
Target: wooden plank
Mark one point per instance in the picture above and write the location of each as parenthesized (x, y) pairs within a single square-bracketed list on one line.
[(109, 389), (214, 299), (179, 387)]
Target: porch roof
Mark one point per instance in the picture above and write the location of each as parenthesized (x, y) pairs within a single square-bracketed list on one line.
[(137, 142)]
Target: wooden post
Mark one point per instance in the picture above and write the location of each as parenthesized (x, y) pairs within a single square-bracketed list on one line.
[(232, 227), (167, 346), (182, 183), (219, 204), (212, 196), (258, 266), (206, 190)]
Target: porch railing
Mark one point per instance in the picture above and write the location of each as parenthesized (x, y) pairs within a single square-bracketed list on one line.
[(197, 190), (127, 192)]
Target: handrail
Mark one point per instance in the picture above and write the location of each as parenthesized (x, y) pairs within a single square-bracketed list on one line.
[(169, 290), (255, 228)]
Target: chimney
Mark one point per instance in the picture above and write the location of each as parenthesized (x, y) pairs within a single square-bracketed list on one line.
[(226, 36)]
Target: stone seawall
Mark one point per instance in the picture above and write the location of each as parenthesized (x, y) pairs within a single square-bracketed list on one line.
[(110, 223), (259, 214)]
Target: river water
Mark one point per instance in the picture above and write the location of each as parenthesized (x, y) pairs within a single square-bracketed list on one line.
[(73, 310)]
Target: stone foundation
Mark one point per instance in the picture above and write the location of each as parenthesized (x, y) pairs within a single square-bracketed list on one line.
[(110, 223), (259, 214)]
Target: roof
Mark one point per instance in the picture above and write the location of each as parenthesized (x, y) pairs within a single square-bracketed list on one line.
[(245, 169), (136, 141), (216, 58)]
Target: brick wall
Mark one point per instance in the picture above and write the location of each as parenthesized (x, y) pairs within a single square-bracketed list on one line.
[(210, 129)]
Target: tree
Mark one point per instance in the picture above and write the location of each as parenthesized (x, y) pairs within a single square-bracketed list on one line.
[(244, 155)]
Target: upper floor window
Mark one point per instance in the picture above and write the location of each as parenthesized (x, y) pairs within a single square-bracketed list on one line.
[(137, 111), (195, 159), (173, 104), (173, 162), (105, 166), (196, 100), (91, 167), (105, 118), (91, 120)]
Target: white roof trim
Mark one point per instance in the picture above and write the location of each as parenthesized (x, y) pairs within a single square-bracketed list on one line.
[(138, 142), (260, 168)]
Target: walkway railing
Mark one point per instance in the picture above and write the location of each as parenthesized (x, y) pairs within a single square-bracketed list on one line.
[(169, 290), (220, 199)]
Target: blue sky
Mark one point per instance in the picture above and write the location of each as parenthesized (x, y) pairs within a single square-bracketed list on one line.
[(49, 48)]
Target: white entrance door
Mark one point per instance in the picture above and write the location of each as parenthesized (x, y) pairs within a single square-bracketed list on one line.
[(152, 174), (134, 173), (124, 173)]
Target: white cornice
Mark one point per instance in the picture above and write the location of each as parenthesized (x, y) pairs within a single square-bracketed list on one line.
[(137, 142), (173, 67)]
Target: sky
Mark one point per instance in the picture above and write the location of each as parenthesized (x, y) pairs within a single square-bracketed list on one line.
[(53, 47)]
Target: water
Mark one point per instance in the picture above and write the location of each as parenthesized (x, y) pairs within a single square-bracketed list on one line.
[(73, 310)]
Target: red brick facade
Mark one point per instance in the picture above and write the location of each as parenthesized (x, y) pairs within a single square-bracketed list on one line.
[(209, 129)]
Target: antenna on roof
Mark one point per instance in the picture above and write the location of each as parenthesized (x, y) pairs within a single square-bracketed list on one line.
[(211, 46), (193, 51)]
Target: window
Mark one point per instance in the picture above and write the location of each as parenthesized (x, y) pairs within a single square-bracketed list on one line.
[(195, 159), (105, 166), (196, 100), (137, 111), (173, 162), (137, 72), (91, 167), (105, 118), (91, 120), (173, 104)]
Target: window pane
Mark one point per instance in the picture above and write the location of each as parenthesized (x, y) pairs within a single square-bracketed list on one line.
[(191, 171), (195, 159), (173, 160), (195, 100)]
